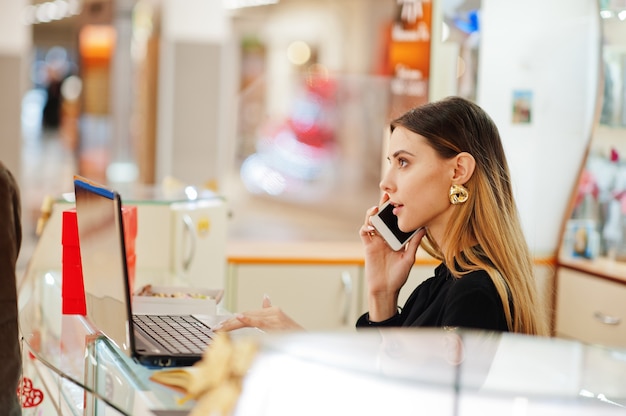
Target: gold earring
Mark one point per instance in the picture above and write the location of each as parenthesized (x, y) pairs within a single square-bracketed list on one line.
[(458, 194)]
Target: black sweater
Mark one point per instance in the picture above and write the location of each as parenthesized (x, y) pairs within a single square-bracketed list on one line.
[(471, 301)]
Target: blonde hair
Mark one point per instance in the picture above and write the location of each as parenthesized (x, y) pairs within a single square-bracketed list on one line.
[(485, 231)]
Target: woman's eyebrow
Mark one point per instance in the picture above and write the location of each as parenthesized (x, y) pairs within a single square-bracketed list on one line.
[(400, 152)]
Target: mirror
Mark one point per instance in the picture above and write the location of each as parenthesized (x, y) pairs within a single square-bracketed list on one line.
[(597, 225), (590, 283)]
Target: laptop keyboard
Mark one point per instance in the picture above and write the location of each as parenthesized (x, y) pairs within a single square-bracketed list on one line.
[(179, 334)]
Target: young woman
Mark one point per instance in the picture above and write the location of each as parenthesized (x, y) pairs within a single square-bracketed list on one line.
[(448, 173)]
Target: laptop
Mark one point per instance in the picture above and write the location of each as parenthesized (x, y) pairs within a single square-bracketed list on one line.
[(152, 340)]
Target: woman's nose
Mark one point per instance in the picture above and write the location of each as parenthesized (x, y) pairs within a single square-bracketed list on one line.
[(385, 183)]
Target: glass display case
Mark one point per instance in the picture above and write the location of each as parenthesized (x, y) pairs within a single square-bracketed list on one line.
[(432, 371), (69, 367), (70, 370)]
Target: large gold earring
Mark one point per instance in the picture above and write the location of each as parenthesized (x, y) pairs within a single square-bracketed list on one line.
[(458, 194)]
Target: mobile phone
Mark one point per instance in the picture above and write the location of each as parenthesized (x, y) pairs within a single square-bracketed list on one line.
[(386, 223)]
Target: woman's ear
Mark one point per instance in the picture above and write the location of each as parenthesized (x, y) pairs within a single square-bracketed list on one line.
[(464, 168)]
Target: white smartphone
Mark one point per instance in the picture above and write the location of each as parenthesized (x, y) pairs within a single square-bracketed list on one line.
[(386, 223)]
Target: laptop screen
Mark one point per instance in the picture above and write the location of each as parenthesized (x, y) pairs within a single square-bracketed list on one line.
[(101, 238)]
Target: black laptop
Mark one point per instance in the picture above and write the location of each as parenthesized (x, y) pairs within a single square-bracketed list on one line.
[(153, 340)]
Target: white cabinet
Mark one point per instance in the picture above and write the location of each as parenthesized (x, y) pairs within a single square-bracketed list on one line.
[(590, 308), (317, 296), (320, 284)]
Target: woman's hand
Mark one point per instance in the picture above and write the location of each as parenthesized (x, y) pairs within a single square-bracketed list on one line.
[(268, 318), (386, 271)]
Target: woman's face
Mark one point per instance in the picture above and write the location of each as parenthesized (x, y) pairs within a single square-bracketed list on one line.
[(418, 181)]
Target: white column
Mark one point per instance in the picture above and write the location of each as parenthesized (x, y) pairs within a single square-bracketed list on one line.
[(122, 167), (15, 42), (197, 87), (551, 50)]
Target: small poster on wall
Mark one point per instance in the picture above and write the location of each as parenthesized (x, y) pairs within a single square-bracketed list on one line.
[(522, 106)]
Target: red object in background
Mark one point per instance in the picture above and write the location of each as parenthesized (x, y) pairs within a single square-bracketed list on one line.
[(587, 186), (129, 218), (72, 287)]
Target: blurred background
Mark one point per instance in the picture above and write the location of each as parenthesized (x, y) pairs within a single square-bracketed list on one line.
[(282, 106)]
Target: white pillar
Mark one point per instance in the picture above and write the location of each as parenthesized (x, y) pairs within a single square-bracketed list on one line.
[(15, 42), (122, 167), (197, 87), (552, 51)]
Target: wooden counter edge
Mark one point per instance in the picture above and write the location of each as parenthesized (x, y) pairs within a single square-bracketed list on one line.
[(600, 267), (315, 252)]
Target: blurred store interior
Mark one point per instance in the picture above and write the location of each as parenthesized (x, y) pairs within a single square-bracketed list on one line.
[(280, 106)]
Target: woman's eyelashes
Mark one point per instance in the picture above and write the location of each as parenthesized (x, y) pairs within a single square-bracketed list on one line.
[(399, 162)]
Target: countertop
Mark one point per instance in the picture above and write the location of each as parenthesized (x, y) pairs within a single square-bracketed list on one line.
[(603, 267)]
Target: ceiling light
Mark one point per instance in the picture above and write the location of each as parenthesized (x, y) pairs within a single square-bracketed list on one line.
[(239, 4), (51, 10), (606, 14)]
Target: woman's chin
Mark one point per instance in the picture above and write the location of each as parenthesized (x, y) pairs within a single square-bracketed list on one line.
[(407, 228)]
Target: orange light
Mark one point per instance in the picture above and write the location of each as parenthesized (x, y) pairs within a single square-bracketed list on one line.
[(96, 43)]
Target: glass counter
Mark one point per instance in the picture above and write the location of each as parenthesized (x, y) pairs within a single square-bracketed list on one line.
[(434, 372), (69, 369), (76, 370), (390, 371)]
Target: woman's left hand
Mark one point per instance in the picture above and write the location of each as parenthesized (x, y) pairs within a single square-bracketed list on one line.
[(386, 270)]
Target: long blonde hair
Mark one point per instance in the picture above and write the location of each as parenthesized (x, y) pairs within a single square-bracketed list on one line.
[(485, 231)]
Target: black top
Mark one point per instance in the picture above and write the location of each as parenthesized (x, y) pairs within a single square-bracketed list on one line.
[(471, 301)]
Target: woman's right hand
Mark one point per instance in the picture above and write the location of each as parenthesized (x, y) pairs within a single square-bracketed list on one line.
[(386, 270)]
